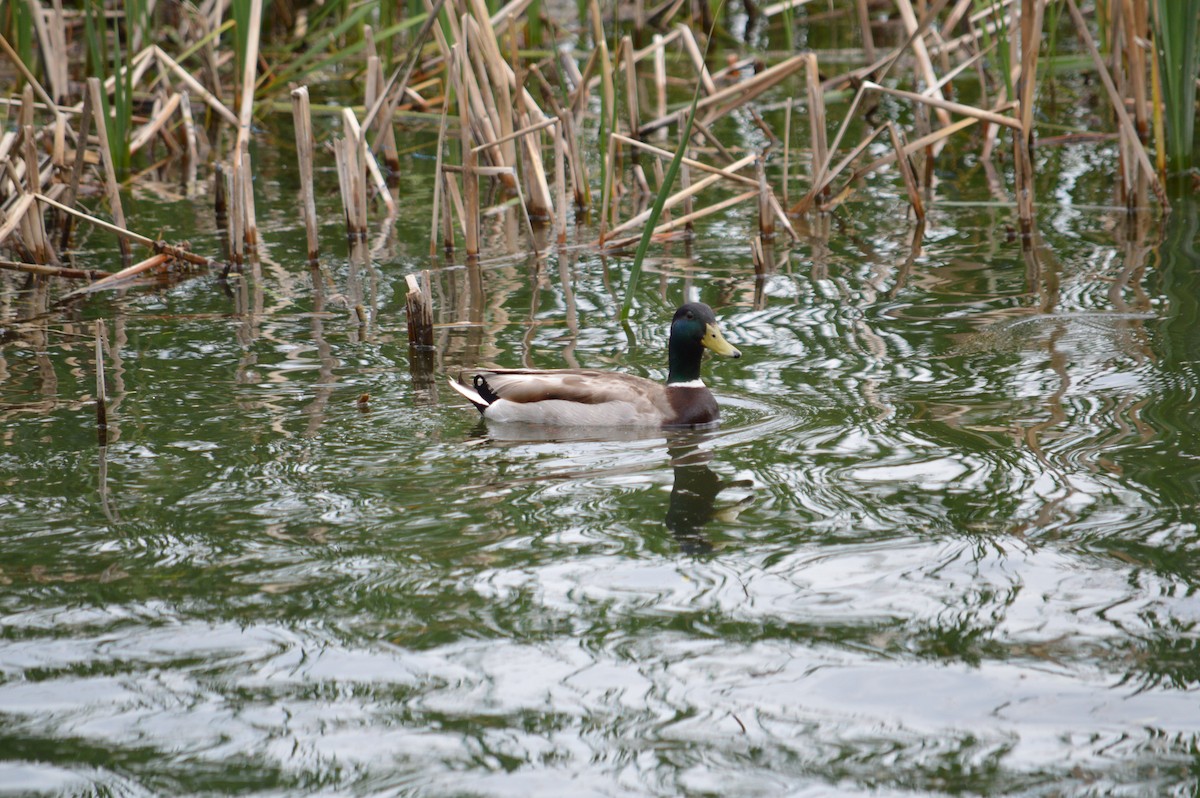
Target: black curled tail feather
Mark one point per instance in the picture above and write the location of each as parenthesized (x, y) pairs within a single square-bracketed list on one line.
[(485, 390)]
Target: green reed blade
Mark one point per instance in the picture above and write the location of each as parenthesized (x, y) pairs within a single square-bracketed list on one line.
[(1179, 57)]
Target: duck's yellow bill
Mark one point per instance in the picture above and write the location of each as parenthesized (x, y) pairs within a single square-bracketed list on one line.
[(716, 342)]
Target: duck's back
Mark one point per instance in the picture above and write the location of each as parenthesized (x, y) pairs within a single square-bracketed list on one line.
[(572, 397)]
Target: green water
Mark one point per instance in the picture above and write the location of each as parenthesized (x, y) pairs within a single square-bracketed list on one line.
[(943, 542)]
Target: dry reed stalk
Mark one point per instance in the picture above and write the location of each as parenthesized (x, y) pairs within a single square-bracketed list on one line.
[(685, 184), (385, 105), (196, 87), (766, 220), (583, 82), (684, 195), (956, 15), (785, 5), (22, 221), (25, 118), (1125, 123), (700, 214), (951, 74), (345, 189), (302, 121), (58, 155), (816, 110), (864, 27), (30, 80), (385, 136), (245, 222), (659, 177), (220, 197), (529, 116), (8, 140), (509, 12), (52, 40), (245, 179), (631, 88), (906, 171), (516, 134), (787, 147), (732, 97), (876, 70), (693, 50), (885, 160), (1137, 31), (643, 185), (492, 87), (189, 136), (660, 81), (455, 202), (110, 175), (609, 198), (497, 171), (566, 132), (1030, 39), (993, 9), (727, 171), (136, 70), (609, 103), (178, 253), (579, 179), (31, 87), (152, 128), (560, 185), (237, 216), (705, 132), (947, 105), (14, 217), (659, 42), (43, 251), (42, 176), (437, 172), (365, 161), (117, 279), (483, 115), (249, 73), (52, 271), (470, 177)]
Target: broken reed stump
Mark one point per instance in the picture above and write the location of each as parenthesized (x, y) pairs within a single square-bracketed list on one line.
[(419, 304), (302, 116)]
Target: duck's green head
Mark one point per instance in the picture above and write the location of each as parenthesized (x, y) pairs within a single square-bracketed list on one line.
[(693, 330)]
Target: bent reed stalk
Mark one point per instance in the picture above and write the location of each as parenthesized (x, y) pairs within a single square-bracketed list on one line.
[(522, 119)]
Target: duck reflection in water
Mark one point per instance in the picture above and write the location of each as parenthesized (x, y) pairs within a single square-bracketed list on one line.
[(694, 497), (696, 486)]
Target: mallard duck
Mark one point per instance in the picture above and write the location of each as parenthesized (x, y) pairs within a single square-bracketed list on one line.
[(587, 398)]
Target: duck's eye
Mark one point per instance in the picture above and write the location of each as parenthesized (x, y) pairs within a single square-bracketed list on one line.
[(691, 315)]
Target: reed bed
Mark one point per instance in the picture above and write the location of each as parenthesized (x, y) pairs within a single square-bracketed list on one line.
[(547, 113)]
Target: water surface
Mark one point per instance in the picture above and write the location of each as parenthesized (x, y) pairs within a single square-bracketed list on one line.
[(943, 542)]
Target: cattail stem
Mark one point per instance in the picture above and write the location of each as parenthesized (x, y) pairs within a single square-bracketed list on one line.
[(101, 391)]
